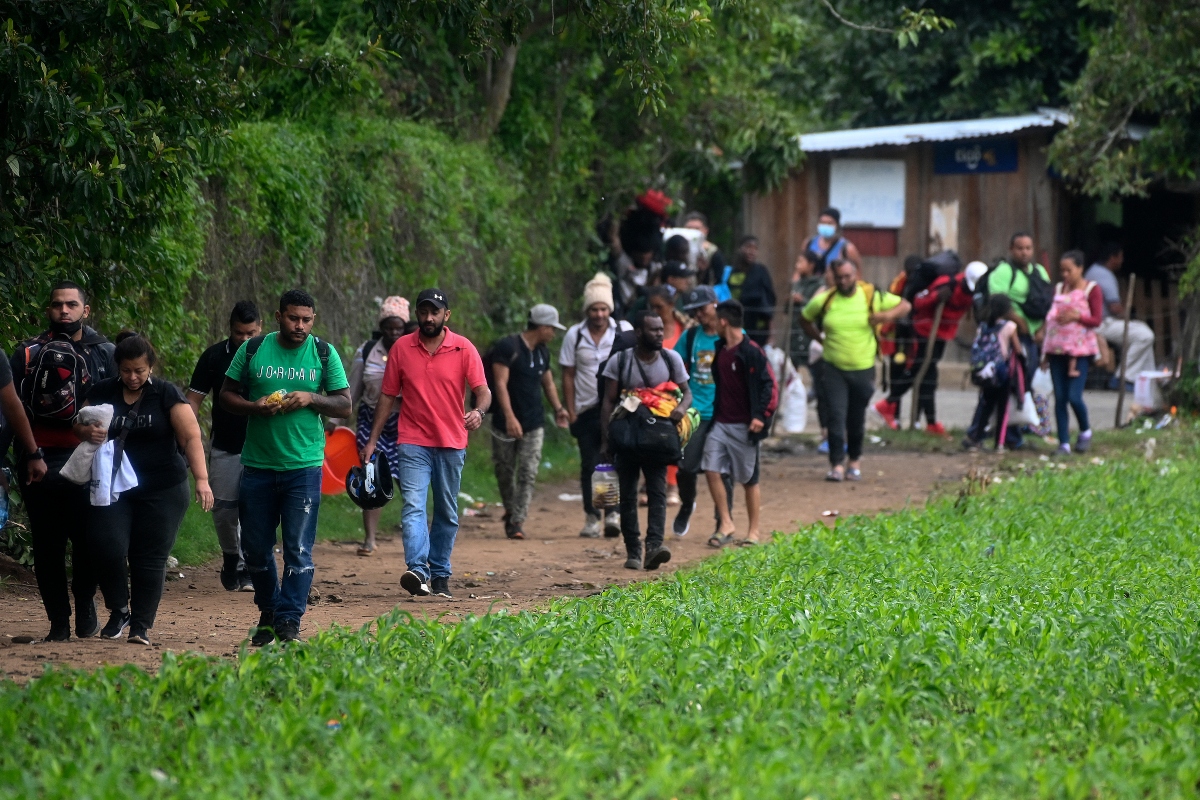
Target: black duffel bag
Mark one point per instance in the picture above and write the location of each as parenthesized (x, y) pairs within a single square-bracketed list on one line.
[(639, 435)]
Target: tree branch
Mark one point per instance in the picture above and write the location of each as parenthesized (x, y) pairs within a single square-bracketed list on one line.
[(855, 25)]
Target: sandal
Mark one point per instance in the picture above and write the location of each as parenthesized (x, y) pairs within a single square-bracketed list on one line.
[(854, 474), (366, 552), (717, 541), (834, 476), (747, 542)]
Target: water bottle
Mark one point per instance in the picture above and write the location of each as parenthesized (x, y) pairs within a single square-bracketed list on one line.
[(606, 488)]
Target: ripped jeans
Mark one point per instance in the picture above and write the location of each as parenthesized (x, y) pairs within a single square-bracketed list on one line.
[(270, 499)]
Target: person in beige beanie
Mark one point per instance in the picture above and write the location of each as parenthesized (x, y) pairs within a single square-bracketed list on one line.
[(585, 347)]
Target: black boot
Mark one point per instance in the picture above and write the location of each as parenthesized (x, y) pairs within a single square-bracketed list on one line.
[(229, 572)]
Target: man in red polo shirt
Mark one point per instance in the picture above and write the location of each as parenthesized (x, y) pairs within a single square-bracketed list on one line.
[(430, 368)]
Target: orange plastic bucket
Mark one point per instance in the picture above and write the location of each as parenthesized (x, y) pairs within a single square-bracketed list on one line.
[(341, 454)]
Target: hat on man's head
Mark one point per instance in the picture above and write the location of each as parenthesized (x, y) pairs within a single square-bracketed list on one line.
[(545, 314), (435, 297), (697, 298), (393, 306), (654, 201), (599, 290), (677, 269)]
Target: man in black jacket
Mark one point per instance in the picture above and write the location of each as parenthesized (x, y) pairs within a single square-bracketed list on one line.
[(58, 509), (746, 401), (750, 283)]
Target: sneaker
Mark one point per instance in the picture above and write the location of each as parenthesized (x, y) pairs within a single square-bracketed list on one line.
[(683, 521), (87, 624), (612, 525), (59, 632), (970, 445), (1083, 442), (887, 409), (1064, 449), (673, 496), (591, 527), (657, 557), (288, 630), (118, 621), (139, 636), (441, 587), (633, 562), (229, 572), (264, 632), (245, 584), (935, 429), (414, 584)]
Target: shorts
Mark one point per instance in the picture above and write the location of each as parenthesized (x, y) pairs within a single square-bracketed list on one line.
[(729, 451)]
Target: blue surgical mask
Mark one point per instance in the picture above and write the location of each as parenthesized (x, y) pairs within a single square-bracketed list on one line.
[(826, 231)]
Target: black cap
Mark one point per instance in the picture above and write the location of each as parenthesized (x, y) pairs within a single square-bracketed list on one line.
[(435, 297), (697, 298), (677, 269)]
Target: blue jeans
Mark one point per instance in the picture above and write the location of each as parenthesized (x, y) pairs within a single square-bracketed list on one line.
[(1068, 390), (427, 547), (270, 499)]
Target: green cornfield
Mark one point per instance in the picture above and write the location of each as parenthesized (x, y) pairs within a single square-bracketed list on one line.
[(1038, 639)]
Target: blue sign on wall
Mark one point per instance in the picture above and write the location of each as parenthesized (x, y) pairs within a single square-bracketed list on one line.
[(988, 155)]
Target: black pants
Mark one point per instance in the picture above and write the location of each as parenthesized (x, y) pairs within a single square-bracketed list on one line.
[(58, 513), (848, 392), (586, 430), (902, 379), (690, 469), (817, 371), (629, 470), (140, 529), (993, 401)]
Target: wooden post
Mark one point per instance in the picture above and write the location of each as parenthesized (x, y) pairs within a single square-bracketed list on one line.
[(925, 362), (787, 356), (1124, 351)]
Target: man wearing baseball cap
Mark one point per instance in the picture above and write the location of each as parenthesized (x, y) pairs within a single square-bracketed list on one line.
[(520, 366), (429, 367), (698, 346)]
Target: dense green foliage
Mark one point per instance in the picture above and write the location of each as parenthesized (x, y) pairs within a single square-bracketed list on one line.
[(1038, 640)]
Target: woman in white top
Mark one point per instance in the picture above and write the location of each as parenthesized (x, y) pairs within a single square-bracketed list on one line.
[(366, 380)]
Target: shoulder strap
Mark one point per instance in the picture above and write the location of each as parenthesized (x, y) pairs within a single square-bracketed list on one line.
[(323, 352), (252, 346), (127, 425), (725, 275), (689, 341), (830, 295)]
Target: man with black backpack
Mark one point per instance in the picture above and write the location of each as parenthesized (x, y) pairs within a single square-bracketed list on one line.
[(53, 373), (1027, 284), (518, 371), (277, 380), (645, 365), (228, 438)]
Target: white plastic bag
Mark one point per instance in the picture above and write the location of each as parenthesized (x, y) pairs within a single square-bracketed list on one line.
[(1042, 383), (1023, 413), (792, 413)]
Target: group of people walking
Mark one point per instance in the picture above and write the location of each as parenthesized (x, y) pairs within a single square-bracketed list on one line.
[(105, 446)]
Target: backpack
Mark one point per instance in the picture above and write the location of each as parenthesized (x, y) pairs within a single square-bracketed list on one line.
[(640, 434), (946, 262), (989, 367), (489, 360), (56, 379), (323, 352), (1038, 299)]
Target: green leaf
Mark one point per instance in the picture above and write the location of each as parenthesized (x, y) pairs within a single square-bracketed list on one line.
[(14, 166)]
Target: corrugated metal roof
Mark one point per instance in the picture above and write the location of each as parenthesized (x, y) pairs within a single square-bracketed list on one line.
[(930, 131)]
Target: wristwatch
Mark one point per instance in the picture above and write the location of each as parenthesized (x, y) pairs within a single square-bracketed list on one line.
[(36, 455)]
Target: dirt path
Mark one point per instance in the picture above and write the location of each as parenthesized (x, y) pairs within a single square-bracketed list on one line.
[(491, 572)]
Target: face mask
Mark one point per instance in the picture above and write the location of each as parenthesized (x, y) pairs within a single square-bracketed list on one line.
[(69, 328), (826, 231)]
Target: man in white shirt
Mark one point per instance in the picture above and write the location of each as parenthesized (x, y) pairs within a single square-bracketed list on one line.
[(1139, 352), (585, 347)]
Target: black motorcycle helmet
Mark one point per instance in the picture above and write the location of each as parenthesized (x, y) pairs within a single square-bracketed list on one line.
[(371, 486)]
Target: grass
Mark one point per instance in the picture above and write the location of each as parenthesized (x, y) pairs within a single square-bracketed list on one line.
[(1038, 639), (341, 520)]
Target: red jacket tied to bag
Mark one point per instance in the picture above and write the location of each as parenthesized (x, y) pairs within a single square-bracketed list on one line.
[(925, 305)]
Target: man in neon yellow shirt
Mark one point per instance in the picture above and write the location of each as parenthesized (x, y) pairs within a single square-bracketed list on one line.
[(844, 320)]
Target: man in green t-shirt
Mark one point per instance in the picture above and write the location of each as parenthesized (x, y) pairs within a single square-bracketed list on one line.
[(277, 380), (844, 320), (1011, 278)]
